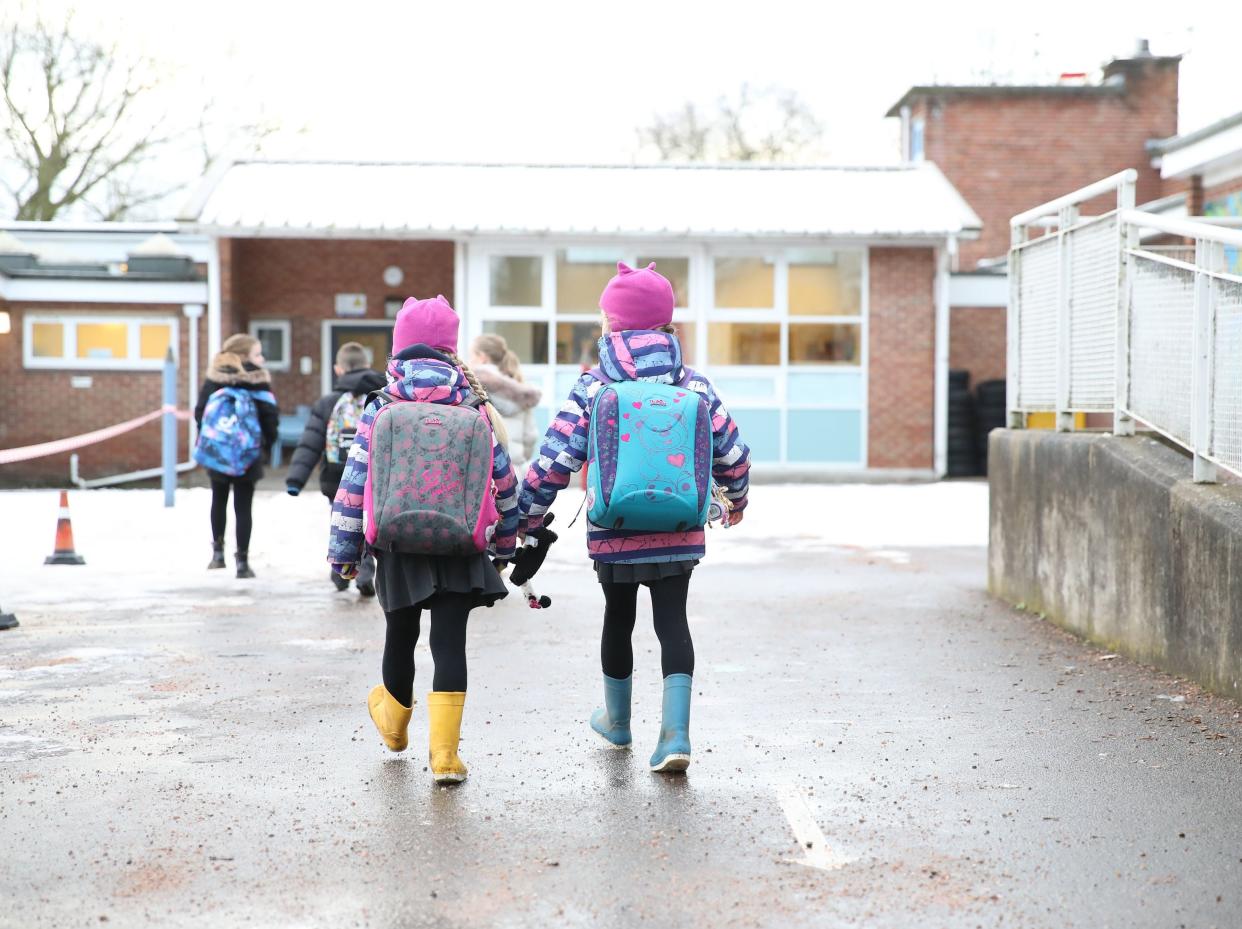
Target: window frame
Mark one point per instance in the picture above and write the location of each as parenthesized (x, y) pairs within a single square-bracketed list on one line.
[(285, 327), (70, 321)]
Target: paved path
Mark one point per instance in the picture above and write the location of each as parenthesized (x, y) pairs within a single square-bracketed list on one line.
[(178, 749)]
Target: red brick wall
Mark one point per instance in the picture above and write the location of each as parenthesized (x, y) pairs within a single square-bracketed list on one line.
[(40, 405), (901, 375), (977, 342), (1006, 154), (298, 279)]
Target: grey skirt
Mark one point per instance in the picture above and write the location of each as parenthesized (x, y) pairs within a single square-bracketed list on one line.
[(607, 572), (403, 580)]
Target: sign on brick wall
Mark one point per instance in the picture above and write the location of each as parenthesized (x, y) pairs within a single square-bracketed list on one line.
[(351, 304)]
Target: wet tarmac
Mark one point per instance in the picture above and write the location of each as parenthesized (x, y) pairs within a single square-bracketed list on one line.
[(876, 743)]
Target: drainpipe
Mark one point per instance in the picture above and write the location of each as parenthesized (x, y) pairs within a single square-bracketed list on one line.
[(214, 298), (940, 432), (193, 313)]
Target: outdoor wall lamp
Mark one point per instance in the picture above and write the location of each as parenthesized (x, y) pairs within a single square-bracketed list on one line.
[(6, 322)]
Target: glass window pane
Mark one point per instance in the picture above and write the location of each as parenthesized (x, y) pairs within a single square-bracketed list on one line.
[(516, 280), (153, 340), (528, 340), (577, 344), (744, 343), (744, 282), (677, 270), (103, 340), (272, 341), (686, 336), (47, 340), (581, 274), (825, 282), (825, 343)]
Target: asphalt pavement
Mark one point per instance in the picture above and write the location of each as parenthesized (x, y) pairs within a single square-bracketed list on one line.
[(876, 743)]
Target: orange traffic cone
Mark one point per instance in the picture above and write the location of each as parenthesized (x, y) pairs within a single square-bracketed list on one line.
[(64, 553)]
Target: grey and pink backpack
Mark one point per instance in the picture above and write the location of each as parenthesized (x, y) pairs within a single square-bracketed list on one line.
[(429, 488)]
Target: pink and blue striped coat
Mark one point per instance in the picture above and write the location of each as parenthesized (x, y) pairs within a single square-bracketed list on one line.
[(427, 378), (637, 354)]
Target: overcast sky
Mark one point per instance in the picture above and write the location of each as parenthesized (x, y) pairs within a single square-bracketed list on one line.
[(567, 82)]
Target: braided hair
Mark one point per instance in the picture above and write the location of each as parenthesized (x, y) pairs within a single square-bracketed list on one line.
[(497, 421)]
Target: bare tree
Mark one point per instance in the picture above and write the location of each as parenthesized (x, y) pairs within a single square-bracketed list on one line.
[(80, 124), (773, 124)]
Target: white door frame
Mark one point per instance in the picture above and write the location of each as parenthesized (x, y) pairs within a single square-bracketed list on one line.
[(325, 345)]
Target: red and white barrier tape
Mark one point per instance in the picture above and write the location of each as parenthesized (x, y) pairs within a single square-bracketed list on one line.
[(59, 446)]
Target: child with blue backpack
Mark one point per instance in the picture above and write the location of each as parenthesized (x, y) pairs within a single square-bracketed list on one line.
[(238, 421), (657, 436), (429, 488), (330, 431)]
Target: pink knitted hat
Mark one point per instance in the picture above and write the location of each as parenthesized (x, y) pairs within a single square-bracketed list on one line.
[(637, 299), (432, 322)]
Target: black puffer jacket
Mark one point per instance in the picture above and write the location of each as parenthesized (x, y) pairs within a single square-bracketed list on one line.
[(313, 444), (224, 372)]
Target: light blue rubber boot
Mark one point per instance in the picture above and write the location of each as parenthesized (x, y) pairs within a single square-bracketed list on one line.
[(612, 721), (673, 751)]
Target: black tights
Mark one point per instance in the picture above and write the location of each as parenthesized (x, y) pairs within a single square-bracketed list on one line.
[(243, 499), (668, 611), (449, 612)]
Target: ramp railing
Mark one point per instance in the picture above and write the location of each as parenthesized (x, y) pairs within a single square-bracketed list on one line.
[(1098, 323)]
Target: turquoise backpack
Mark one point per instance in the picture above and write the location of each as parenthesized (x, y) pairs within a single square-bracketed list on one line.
[(649, 456)]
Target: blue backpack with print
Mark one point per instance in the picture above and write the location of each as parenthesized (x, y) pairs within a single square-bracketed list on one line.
[(650, 457), (231, 439)]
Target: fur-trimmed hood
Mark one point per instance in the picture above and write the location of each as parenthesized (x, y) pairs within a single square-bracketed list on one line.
[(229, 369), (499, 385)]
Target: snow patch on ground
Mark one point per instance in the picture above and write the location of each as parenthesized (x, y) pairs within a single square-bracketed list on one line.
[(142, 558)]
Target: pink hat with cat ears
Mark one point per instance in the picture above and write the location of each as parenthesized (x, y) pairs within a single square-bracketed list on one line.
[(637, 298), (432, 322)]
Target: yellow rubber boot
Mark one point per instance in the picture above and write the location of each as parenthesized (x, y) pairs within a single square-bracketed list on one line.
[(390, 718), (444, 713)]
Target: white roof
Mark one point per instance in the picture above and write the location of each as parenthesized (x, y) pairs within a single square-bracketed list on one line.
[(461, 200)]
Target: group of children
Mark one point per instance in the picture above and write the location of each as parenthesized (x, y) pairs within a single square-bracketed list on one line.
[(428, 511)]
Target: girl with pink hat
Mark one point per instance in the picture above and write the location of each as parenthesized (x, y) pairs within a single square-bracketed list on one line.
[(657, 437), (429, 487)]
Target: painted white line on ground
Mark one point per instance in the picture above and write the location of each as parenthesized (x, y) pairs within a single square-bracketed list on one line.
[(816, 853)]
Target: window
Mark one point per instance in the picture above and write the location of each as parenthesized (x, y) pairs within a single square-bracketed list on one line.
[(516, 280), (744, 343), (825, 282), (577, 344), (825, 343), (916, 139), (526, 339), (97, 341), (745, 283), (275, 338), (581, 274)]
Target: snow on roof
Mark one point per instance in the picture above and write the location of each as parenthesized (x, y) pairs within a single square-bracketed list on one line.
[(412, 199)]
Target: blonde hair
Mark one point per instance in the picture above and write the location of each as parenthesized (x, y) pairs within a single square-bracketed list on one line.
[(239, 344), (497, 351), (498, 423)]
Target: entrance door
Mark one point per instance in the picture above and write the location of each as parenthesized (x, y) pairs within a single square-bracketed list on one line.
[(375, 336)]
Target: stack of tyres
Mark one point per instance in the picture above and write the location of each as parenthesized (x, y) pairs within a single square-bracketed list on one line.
[(962, 457), (990, 414)]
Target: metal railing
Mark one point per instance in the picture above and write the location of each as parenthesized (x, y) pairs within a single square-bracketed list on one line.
[(1099, 324)]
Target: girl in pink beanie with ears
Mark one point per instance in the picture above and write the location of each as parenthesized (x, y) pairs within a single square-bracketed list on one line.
[(429, 449), (657, 438)]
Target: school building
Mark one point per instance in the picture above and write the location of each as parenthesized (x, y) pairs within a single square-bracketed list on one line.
[(828, 303), (815, 297)]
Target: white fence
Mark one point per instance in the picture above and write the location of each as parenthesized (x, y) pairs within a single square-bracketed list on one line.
[(1100, 324)]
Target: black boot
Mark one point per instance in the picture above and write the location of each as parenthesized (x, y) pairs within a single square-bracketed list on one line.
[(243, 565), (217, 554)]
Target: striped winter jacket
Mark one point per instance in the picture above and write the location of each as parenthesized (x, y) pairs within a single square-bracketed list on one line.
[(643, 355), (424, 375)]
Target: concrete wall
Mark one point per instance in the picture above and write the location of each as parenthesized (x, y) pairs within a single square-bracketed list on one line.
[(1109, 538)]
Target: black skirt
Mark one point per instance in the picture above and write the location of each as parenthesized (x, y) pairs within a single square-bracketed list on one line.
[(607, 572), (403, 580)]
